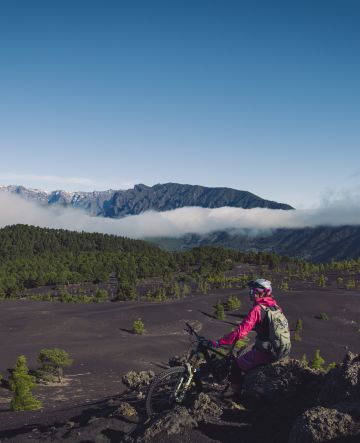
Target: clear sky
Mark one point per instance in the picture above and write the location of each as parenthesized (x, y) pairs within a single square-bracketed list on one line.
[(262, 96)]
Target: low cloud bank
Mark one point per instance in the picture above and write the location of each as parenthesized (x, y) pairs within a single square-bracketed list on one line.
[(335, 211)]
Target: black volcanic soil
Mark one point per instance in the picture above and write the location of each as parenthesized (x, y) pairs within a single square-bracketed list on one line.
[(99, 339)]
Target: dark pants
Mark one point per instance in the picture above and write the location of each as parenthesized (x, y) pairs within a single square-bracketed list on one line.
[(236, 374)]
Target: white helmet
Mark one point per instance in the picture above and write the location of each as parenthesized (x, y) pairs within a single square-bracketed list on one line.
[(261, 287)]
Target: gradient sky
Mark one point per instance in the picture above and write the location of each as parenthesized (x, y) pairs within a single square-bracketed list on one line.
[(262, 96)]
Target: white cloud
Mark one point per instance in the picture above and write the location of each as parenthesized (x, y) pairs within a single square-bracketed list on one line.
[(336, 210)]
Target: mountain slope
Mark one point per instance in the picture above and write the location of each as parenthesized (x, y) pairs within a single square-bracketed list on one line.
[(318, 244), (161, 197)]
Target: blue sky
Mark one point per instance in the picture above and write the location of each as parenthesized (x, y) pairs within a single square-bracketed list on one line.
[(256, 95)]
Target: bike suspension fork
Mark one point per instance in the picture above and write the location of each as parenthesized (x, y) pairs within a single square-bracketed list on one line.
[(182, 387)]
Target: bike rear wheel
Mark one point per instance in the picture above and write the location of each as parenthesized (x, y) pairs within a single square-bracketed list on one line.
[(162, 393)]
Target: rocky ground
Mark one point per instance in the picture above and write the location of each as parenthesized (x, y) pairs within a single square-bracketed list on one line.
[(283, 402)]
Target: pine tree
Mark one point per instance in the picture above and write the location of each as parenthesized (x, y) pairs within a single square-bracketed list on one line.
[(53, 361), (298, 329), (203, 286), (176, 290), (220, 311), (304, 360), (322, 281), (101, 295), (138, 326), (284, 286), (233, 303), (340, 282), (21, 383), (350, 284), (297, 336), (185, 290), (318, 361)]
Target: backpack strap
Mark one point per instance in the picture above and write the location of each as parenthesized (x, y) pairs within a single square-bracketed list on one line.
[(270, 308), (264, 311)]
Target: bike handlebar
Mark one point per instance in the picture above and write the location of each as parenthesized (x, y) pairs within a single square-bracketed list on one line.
[(200, 339), (192, 331)]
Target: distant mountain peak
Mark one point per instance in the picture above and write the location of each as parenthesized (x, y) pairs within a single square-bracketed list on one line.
[(141, 198)]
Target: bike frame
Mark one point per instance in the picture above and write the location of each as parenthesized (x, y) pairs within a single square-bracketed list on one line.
[(204, 349), (183, 375)]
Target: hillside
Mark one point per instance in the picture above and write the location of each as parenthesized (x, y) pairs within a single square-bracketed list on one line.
[(69, 263), (319, 244), (32, 257), (161, 197), (59, 265)]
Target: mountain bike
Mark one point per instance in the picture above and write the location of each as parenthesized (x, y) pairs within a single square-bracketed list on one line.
[(174, 385)]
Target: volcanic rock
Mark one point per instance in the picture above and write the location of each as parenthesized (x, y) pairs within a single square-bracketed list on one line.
[(321, 424), (134, 380), (171, 423), (177, 360), (125, 410), (280, 382), (343, 382), (205, 409)]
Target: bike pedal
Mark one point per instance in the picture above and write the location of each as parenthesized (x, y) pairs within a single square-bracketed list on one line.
[(237, 406)]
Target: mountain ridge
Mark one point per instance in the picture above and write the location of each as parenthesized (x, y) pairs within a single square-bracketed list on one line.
[(317, 244), (141, 198)]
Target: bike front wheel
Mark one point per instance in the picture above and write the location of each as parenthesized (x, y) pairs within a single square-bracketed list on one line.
[(166, 390)]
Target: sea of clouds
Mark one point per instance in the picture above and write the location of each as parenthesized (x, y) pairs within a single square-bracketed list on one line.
[(335, 210)]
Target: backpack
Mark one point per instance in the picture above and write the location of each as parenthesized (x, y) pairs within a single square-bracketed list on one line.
[(279, 333)]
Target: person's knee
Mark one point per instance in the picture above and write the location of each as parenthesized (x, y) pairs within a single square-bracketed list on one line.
[(236, 375)]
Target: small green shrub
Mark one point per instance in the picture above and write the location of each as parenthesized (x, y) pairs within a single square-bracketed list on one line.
[(330, 366), (340, 282), (219, 311), (351, 284), (297, 336), (284, 286), (299, 325), (298, 330), (185, 290), (322, 316), (203, 286), (101, 295), (233, 303), (138, 327), (318, 361), (304, 360), (322, 281), (176, 290)]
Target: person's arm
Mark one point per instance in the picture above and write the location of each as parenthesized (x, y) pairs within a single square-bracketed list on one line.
[(253, 317)]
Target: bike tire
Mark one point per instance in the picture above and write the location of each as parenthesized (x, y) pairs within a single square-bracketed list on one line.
[(159, 395)]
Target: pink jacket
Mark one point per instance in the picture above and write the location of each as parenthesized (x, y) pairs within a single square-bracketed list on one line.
[(253, 318)]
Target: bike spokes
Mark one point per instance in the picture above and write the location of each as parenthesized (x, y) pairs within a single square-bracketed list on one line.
[(166, 391)]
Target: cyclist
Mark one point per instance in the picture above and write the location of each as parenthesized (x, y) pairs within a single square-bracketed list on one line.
[(273, 337)]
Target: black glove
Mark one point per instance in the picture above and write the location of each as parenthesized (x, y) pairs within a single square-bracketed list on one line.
[(209, 343)]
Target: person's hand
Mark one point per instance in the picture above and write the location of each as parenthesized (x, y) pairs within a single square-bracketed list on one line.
[(205, 342)]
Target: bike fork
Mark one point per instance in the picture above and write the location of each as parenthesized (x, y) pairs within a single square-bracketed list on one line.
[(182, 387)]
